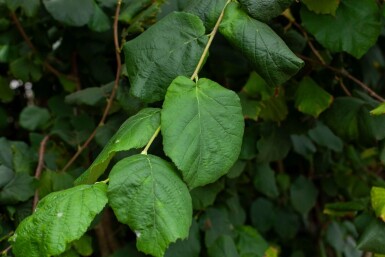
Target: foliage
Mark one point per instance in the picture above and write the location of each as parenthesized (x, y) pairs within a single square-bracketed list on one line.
[(231, 128)]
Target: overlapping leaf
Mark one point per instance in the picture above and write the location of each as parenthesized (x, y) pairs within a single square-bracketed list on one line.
[(264, 10), (202, 127), (354, 28), (267, 52), (146, 193), (60, 218), (134, 133), (170, 48)]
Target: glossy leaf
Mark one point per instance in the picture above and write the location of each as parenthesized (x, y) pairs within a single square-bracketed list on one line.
[(60, 218), (153, 64), (134, 133), (264, 10), (146, 193), (33, 117), (333, 32), (311, 98), (202, 128), (377, 195), (303, 195), (267, 52), (322, 6), (70, 12)]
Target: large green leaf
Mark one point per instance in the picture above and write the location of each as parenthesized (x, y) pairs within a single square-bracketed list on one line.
[(207, 11), (153, 64), (202, 128), (147, 194), (70, 12), (134, 133), (311, 98), (322, 6), (354, 29), (267, 52), (30, 7), (60, 218), (377, 196), (264, 10)]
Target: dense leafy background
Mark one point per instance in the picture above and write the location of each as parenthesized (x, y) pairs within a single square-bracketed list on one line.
[(309, 177)]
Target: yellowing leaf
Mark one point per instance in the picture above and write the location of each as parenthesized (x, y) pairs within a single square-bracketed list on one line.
[(378, 201), (379, 110)]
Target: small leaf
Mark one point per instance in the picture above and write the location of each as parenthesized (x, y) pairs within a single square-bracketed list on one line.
[(262, 214), (6, 155), (322, 6), (311, 98), (333, 34), (30, 7), (33, 117), (303, 145), (224, 246), (153, 64), (323, 136), (60, 218), (264, 180), (146, 193), (264, 10), (99, 21), (202, 197), (267, 145), (25, 69), (70, 12), (303, 195), (134, 133), (202, 128), (89, 96), (372, 239), (250, 243), (377, 195), (267, 52), (379, 110), (216, 223)]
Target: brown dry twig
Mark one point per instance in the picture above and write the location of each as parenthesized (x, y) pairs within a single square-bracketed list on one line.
[(113, 92)]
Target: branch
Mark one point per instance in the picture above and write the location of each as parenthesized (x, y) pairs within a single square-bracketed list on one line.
[(28, 41), (346, 74), (113, 92), (39, 169)]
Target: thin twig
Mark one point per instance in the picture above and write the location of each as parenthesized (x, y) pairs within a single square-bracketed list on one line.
[(346, 74), (6, 250), (28, 41), (39, 168), (211, 38), (113, 92), (342, 84)]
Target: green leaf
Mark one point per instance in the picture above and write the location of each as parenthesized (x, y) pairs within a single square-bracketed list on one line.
[(250, 243), (147, 194), (267, 145), (152, 65), (286, 223), (6, 155), (134, 133), (6, 175), (84, 245), (189, 247), (264, 10), (202, 197), (25, 69), (6, 93), (215, 222), (379, 110), (88, 96), (323, 136), (30, 7), (224, 246), (22, 158), (33, 117), (303, 195), (267, 52), (311, 98), (377, 195), (322, 6), (60, 218), (303, 145), (70, 12), (372, 239), (262, 214), (264, 180), (99, 21), (202, 127), (334, 34), (207, 11)]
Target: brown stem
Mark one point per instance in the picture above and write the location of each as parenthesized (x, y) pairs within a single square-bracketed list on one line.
[(346, 74), (344, 88), (113, 92), (39, 169)]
